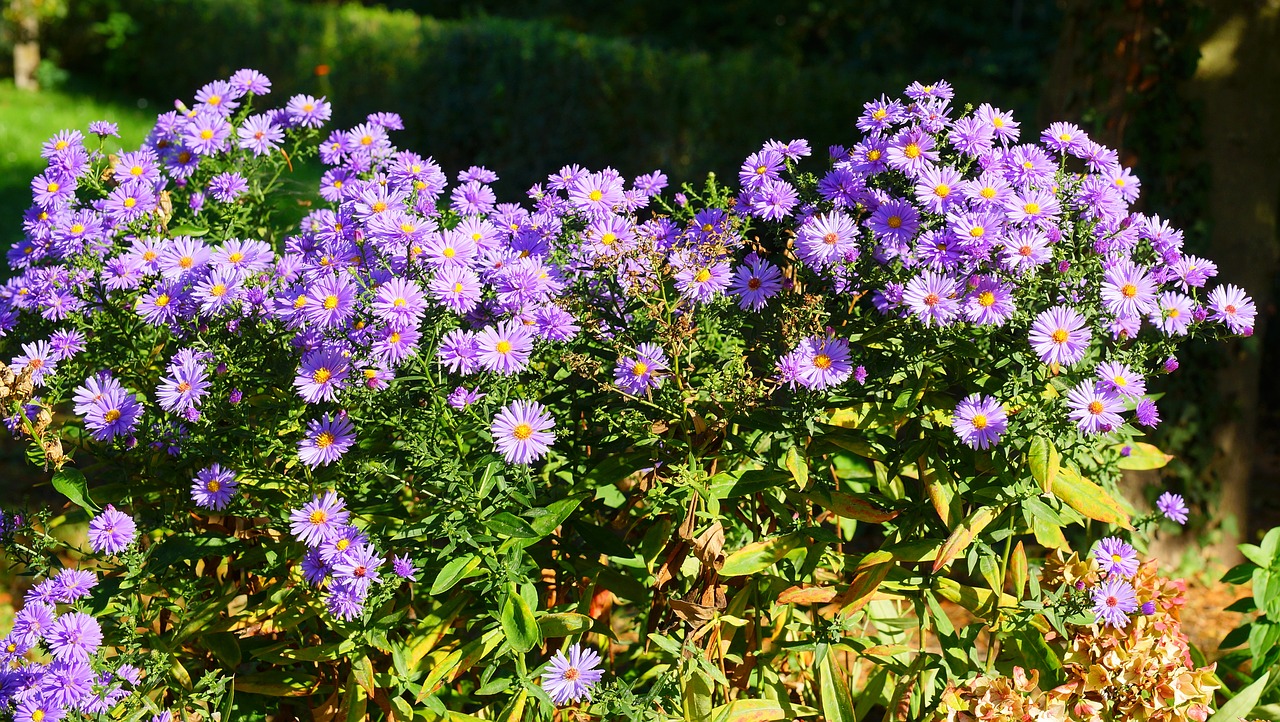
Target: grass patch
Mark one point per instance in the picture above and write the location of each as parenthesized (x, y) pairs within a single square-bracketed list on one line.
[(28, 119)]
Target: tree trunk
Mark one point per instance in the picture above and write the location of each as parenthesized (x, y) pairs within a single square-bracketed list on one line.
[(26, 44), (1238, 82)]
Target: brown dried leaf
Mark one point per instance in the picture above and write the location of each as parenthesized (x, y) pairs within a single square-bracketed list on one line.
[(709, 547)]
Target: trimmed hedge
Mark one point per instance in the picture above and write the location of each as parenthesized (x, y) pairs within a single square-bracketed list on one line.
[(513, 95)]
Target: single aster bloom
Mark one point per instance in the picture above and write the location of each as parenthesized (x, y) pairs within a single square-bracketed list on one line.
[(571, 678), (326, 440), (755, 282), (319, 519), (979, 421), (938, 188), (74, 637), (1095, 409), (207, 134), (307, 111), (504, 348), (74, 584), (1173, 506), (522, 431), (462, 397), (259, 135), (344, 601), (213, 487), (703, 282), (637, 374), (823, 363), (404, 567), (1116, 557), (457, 288), (1147, 414), (826, 239), (112, 531), (989, 303), (321, 376), (116, 413), (32, 623), (1128, 290), (932, 298), (399, 302), (1230, 305), (1173, 313), (330, 301), (1121, 379), (358, 568), (1113, 601), (1060, 336), (338, 545)]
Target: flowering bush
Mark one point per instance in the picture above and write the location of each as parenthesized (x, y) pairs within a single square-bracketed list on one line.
[(422, 450)]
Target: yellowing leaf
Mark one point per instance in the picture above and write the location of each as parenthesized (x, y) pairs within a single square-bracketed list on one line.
[(1044, 462), (1089, 499), (1143, 457), (758, 556), (797, 466), (962, 536), (851, 507), (748, 710), (806, 595)]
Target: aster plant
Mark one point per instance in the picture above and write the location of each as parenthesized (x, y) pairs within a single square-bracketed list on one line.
[(401, 446)]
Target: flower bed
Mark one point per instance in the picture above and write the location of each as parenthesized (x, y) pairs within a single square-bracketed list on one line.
[(723, 453)]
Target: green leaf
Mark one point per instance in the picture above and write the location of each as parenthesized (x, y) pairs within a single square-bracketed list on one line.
[(962, 536), (71, 483), (1089, 499), (1239, 706), (564, 624), (850, 507), (833, 691), (453, 572), (554, 515), (1240, 573), (696, 698), (761, 555), (1044, 462), (1143, 457), (797, 466), (225, 647), (276, 683), (518, 622), (188, 230), (504, 523)]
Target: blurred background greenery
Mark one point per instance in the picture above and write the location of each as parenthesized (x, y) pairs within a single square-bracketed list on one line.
[(1188, 90)]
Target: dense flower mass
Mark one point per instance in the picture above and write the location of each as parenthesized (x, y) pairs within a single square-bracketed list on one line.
[(410, 376)]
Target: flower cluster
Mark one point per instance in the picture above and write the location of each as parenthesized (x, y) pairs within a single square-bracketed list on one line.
[(339, 553)]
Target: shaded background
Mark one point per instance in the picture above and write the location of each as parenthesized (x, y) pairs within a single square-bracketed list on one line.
[(1188, 90)]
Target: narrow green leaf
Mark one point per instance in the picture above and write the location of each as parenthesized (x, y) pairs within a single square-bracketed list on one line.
[(833, 691), (554, 515), (1044, 462), (797, 466), (518, 622), (761, 555), (453, 572), (504, 523), (1239, 706)]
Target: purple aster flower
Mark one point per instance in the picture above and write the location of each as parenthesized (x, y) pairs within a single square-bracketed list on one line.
[(75, 583), (979, 421), (1064, 137), (1230, 305), (1001, 122), (827, 239), (330, 301), (938, 188), (218, 97), (213, 487), (759, 167), (1173, 506), (522, 431), (504, 348), (932, 298), (104, 129), (1113, 601), (248, 80), (393, 346), (404, 567), (116, 413), (637, 374), (1171, 364), (822, 363), (1149, 607), (358, 568), (326, 440), (399, 302), (207, 134), (1034, 206), (32, 623), (39, 356), (703, 283), (459, 352), (1147, 414), (307, 111), (322, 374), (314, 568), (1121, 379), (66, 344), (1172, 313), (896, 220), (1115, 557), (755, 282), (344, 601), (319, 519), (259, 135), (39, 709), (1194, 272), (911, 151), (457, 288), (1095, 408), (340, 543), (774, 200), (1128, 290), (184, 388), (226, 187), (52, 189), (989, 303), (112, 531), (182, 256), (74, 637), (1060, 336), (571, 678), (462, 397)]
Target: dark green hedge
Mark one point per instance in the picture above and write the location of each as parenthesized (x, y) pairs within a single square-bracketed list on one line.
[(520, 96)]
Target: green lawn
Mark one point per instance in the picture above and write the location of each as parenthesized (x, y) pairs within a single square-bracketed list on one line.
[(28, 119)]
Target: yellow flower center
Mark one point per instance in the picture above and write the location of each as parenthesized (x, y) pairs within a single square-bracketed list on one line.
[(77, 228), (457, 288), (214, 99), (979, 421), (236, 257), (988, 192), (206, 134), (323, 441), (879, 114), (318, 517), (394, 337), (503, 347), (300, 301), (449, 252), (1128, 290), (130, 202), (218, 290), (186, 262), (639, 369), (1064, 137), (214, 486), (60, 145), (522, 431), (1095, 407), (53, 187), (997, 122), (608, 239), (162, 300), (986, 299), (1059, 336), (1031, 209), (596, 195), (342, 544), (330, 302), (366, 140), (911, 151), (149, 256), (112, 415), (977, 232), (942, 190), (895, 221), (321, 375), (822, 361), (703, 276), (1120, 381), (379, 207)]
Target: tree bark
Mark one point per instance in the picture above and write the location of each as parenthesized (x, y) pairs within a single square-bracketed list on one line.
[(26, 43), (1238, 83)]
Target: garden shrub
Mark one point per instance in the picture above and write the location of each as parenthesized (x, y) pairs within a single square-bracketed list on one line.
[(725, 453)]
